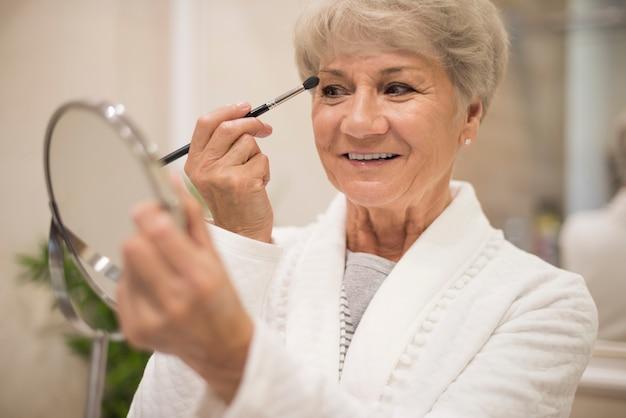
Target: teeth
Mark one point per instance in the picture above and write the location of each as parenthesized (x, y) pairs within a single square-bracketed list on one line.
[(353, 156)]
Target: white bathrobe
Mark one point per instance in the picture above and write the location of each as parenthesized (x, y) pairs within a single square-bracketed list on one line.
[(466, 325)]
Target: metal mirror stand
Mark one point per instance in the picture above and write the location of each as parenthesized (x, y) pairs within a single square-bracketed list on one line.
[(99, 338)]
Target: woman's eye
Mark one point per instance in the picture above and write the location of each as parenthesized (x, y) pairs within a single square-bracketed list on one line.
[(333, 91), (397, 89)]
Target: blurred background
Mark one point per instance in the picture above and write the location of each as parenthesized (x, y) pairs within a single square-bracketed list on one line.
[(541, 154)]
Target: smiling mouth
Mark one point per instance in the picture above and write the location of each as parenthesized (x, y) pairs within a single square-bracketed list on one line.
[(370, 157)]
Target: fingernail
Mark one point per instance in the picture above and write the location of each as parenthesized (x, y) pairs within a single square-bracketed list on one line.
[(243, 105)]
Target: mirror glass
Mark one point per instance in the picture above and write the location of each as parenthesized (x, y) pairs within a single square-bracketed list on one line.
[(98, 168)]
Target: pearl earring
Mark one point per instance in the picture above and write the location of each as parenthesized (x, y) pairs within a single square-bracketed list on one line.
[(468, 141)]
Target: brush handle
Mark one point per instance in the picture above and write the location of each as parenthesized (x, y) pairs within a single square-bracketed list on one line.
[(182, 151), (308, 84)]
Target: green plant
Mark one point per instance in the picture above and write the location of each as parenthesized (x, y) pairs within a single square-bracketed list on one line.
[(125, 365)]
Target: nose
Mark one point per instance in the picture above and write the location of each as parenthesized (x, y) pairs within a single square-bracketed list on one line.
[(364, 117)]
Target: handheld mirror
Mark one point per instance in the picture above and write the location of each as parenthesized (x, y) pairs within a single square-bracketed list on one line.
[(97, 167)]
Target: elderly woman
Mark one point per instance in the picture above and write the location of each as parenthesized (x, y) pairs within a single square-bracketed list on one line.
[(401, 300)]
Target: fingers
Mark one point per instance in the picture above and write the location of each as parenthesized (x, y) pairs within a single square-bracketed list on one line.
[(218, 130), (258, 167), (206, 125), (147, 270), (137, 312), (242, 150), (173, 246), (230, 131), (146, 207), (193, 212)]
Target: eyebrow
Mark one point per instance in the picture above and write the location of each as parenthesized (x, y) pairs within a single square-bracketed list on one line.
[(386, 71)]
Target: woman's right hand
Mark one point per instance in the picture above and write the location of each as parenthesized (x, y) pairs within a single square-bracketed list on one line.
[(229, 170)]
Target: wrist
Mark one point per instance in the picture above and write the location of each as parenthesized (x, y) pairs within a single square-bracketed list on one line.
[(224, 385), (263, 234), (224, 374)]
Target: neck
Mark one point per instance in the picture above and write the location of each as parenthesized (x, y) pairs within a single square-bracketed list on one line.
[(389, 231)]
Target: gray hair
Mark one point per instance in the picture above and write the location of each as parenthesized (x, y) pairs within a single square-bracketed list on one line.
[(466, 36), (618, 148)]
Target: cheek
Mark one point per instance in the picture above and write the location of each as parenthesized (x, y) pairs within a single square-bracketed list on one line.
[(431, 141), (325, 123), (428, 126)]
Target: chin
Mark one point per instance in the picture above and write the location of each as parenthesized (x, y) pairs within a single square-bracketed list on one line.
[(370, 194)]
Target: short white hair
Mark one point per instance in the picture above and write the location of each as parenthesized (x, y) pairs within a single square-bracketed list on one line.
[(467, 36)]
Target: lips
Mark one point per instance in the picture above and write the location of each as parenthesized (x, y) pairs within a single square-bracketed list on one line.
[(369, 161), (377, 156)]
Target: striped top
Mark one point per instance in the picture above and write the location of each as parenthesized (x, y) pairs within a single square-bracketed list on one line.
[(362, 277)]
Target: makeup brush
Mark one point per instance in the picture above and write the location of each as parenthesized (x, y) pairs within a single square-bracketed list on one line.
[(308, 84)]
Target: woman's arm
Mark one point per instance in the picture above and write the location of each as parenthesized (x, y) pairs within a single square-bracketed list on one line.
[(250, 264)]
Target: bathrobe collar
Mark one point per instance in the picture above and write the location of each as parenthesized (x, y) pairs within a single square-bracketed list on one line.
[(431, 263)]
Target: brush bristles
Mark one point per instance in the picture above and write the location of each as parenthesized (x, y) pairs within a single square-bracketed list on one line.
[(310, 82)]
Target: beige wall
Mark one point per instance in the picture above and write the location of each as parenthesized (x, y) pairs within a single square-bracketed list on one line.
[(239, 50), (517, 162), (52, 52)]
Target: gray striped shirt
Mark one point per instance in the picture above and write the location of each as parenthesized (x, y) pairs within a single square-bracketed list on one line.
[(363, 276)]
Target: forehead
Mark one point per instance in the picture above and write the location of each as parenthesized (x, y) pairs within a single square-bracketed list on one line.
[(377, 62)]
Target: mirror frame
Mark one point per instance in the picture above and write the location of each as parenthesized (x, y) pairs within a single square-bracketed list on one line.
[(145, 154), (56, 265)]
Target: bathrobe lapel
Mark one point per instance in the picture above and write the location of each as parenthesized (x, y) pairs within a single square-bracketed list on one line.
[(312, 328), (439, 256), (434, 260)]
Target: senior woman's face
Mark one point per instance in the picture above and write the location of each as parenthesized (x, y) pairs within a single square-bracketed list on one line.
[(386, 126)]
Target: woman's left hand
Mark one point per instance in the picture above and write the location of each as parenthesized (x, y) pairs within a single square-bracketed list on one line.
[(175, 297)]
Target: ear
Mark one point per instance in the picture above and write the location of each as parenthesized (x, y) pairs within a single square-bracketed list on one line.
[(472, 117)]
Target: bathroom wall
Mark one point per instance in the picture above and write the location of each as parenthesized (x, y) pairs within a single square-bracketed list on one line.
[(52, 52)]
